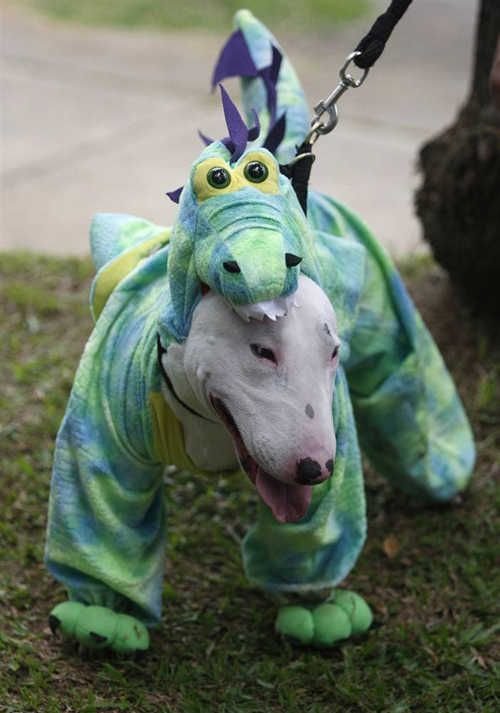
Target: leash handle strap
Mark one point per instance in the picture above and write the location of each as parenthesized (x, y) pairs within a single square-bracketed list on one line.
[(373, 43), (325, 117), (364, 56)]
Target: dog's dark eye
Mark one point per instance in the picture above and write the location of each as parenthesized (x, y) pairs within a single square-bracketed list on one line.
[(263, 353), (335, 352)]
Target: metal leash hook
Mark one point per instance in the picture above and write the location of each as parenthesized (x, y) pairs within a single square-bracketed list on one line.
[(329, 105)]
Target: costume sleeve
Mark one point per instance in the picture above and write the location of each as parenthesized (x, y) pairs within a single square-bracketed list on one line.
[(410, 419), (319, 551), (105, 539)]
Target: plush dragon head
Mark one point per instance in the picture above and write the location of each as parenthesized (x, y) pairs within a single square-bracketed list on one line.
[(240, 229)]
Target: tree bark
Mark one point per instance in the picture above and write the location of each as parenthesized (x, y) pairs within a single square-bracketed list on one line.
[(459, 199)]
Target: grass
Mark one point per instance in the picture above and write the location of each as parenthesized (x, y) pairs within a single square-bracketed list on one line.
[(429, 573), (213, 14)]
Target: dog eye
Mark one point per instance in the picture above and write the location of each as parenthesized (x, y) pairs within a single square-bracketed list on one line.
[(263, 353)]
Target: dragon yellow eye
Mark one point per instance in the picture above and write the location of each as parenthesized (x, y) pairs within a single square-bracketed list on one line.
[(256, 171), (219, 177)]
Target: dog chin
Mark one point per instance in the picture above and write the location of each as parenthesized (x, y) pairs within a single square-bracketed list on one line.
[(288, 502)]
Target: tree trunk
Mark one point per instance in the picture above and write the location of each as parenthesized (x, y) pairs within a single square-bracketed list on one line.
[(459, 199)]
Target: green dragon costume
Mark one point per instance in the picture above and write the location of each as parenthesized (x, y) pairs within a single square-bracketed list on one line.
[(241, 232)]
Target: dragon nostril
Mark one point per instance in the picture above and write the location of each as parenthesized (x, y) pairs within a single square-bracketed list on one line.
[(292, 260), (231, 266)]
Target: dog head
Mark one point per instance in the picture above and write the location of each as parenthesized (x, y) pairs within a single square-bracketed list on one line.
[(270, 383)]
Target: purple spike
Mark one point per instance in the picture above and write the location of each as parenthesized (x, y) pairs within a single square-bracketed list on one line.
[(238, 131), (229, 144), (206, 139), (275, 66), (175, 195), (254, 132), (269, 76), (276, 134), (272, 98), (234, 60)]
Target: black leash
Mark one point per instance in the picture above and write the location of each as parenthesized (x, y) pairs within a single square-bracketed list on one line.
[(326, 116), (299, 172), (373, 43)]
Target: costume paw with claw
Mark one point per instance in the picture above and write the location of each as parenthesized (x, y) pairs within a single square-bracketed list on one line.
[(97, 627), (343, 615)]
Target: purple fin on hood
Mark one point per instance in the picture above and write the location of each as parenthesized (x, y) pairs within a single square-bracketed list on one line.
[(234, 60), (175, 195), (206, 139), (238, 130), (275, 66), (255, 130), (270, 78), (276, 134)]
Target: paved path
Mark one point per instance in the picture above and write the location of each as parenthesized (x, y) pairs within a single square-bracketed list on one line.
[(106, 120)]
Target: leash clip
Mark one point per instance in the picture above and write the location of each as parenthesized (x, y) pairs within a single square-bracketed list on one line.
[(328, 107)]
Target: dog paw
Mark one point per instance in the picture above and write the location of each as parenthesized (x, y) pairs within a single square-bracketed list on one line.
[(97, 627), (295, 623), (345, 614), (359, 613)]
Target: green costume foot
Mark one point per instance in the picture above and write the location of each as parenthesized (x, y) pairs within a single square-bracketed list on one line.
[(99, 628), (345, 614)]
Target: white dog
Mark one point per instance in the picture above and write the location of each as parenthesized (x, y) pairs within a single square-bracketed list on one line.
[(260, 392)]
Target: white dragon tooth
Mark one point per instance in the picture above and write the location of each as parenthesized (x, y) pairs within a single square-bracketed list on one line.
[(242, 311), (272, 309)]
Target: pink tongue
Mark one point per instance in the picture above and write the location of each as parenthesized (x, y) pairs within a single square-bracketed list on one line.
[(288, 502)]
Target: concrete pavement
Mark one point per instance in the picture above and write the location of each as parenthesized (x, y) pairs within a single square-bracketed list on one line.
[(106, 120)]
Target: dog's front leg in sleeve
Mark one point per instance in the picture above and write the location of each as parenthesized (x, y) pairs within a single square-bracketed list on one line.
[(316, 553), (105, 539)]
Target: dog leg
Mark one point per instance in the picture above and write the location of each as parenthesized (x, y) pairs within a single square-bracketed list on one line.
[(106, 525), (411, 423), (317, 552)]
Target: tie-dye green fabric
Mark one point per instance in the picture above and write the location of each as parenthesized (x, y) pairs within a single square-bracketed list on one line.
[(106, 530), (106, 533), (256, 229), (291, 99)]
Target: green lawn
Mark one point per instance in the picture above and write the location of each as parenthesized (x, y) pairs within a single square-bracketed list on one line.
[(160, 14), (431, 574)]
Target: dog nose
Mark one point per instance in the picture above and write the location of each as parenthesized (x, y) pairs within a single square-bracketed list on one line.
[(308, 471)]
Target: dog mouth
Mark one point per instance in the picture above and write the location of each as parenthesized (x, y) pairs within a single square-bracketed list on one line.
[(287, 501)]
